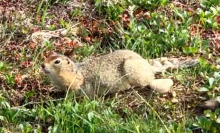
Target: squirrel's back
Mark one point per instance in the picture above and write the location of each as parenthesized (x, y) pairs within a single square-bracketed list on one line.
[(106, 72), (111, 60)]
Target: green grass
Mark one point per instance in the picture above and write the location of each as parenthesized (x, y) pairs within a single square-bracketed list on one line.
[(85, 116), (151, 28)]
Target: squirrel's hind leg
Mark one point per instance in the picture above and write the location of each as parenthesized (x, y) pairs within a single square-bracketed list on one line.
[(161, 85), (139, 72)]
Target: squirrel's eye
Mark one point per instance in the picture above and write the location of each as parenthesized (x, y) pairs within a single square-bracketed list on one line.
[(57, 62)]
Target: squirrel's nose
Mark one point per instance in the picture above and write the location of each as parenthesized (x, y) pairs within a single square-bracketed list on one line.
[(42, 65)]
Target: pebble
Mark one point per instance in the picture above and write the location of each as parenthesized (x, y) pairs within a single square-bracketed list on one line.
[(210, 104), (174, 100), (174, 94)]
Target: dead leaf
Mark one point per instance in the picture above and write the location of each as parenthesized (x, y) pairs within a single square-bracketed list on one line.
[(32, 45)]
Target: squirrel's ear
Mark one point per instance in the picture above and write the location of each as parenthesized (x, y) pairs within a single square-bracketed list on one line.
[(45, 57), (54, 53), (68, 61)]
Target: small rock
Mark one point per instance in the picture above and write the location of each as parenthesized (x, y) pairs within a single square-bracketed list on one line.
[(174, 94), (63, 32), (210, 104), (163, 100), (174, 100), (161, 85)]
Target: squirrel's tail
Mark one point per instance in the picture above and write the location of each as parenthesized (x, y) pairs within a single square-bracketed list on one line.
[(164, 63)]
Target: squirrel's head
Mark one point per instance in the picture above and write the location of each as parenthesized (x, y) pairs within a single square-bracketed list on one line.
[(56, 63)]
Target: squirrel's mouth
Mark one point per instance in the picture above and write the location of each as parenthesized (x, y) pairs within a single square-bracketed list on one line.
[(45, 70)]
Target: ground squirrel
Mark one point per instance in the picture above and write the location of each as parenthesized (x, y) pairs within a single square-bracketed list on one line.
[(110, 73)]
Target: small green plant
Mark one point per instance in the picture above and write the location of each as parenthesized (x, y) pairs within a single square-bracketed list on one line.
[(25, 127), (9, 78), (212, 83), (208, 3), (210, 123), (155, 36), (147, 4), (207, 18), (85, 51), (1, 65), (110, 9)]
